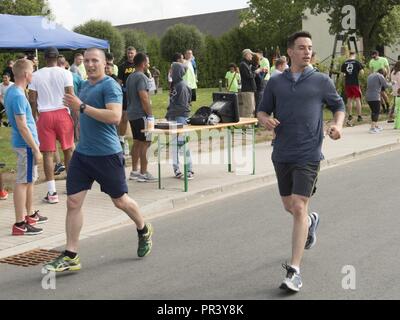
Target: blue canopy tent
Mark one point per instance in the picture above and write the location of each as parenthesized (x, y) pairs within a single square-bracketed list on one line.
[(38, 33)]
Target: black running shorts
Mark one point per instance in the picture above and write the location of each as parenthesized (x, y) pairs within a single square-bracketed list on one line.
[(296, 178)]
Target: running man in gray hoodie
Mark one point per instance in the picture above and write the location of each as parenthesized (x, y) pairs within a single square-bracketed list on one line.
[(179, 111), (292, 105)]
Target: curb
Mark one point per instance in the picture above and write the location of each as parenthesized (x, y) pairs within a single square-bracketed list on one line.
[(192, 199)]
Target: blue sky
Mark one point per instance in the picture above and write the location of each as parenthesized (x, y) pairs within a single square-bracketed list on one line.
[(74, 12)]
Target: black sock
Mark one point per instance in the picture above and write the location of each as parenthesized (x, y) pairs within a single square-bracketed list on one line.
[(70, 254), (20, 224), (143, 231)]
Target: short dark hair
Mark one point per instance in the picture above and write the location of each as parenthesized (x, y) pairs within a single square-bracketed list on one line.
[(78, 54), (139, 59), (374, 52), (130, 48), (260, 51), (6, 74), (109, 56), (232, 65), (110, 64), (177, 56), (279, 62), (300, 34)]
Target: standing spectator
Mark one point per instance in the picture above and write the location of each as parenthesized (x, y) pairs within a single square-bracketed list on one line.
[(124, 71), (381, 63), (351, 69), (232, 78), (35, 61), (4, 86), (26, 145), (110, 71), (177, 57), (139, 109), (156, 75), (110, 59), (78, 66), (259, 79), (375, 83), (99, 158), (249, 87), (280, 67), (265, 66), (395, 79), (190, 75), (179, 111), (9, 69), (46, 93)]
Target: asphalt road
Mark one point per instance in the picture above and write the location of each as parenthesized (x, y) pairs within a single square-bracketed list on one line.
[(234, 248)]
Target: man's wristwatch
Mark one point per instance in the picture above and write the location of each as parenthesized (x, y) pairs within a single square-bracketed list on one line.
[(82, 108)]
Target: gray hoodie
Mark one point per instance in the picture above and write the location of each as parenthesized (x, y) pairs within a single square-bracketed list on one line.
[(298, 105), (179, 105)]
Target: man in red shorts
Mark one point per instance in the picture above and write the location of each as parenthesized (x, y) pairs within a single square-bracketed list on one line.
[(54, 122), (351, 69)]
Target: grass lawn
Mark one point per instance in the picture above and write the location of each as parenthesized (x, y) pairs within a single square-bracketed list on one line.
[(7, 155)]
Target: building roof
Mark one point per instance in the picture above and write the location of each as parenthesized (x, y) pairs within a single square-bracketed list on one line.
[(215, 24)]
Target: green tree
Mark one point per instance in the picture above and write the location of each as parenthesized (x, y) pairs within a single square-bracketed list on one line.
[(135, 38), (25, 7), (271, 21), (179, 38), (104, 30), (377, 22)]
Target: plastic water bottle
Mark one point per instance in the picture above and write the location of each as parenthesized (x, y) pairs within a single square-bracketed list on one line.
[(126, 148)]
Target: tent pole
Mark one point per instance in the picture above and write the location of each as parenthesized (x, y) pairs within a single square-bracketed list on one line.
[(37, 55)]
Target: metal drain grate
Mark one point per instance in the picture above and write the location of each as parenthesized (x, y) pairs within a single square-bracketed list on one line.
[(31, 258)]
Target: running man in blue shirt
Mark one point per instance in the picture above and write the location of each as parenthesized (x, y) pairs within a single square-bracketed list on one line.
[(98, 157)]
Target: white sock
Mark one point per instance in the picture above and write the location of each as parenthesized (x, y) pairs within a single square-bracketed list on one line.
[(297, 269), (51, 186), (309, 221), (122, 139)]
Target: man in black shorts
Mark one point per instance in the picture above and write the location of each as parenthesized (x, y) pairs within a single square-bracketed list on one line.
[(296, 99), (124, 71), (98, 157), (139, 110)]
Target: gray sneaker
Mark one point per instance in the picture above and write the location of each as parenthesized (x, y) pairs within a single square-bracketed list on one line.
[(147, 177), (312, 231), (134, 175), (292, 281)]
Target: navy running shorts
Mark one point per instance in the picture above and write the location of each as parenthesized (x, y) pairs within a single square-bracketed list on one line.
[(296, 178), (107, 171)]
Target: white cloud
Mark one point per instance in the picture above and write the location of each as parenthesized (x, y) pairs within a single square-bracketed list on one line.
[(71, 13)]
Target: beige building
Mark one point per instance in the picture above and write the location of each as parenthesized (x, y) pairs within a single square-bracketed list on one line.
[(323, 42)]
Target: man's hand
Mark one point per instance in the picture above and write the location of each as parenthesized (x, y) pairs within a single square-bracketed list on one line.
[(270, 123), (38, 157), (335, 132), (72, 101)]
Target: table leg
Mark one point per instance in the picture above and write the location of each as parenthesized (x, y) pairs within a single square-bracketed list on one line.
[(159, 161), (185, 166), (254, 148), (229, 131)]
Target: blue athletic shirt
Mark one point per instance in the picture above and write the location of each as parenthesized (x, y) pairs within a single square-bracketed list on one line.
[(98, 138), (16, 104), (298, 105)]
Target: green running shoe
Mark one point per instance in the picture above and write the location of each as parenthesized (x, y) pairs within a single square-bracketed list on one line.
[(64, 263), (145, 243)]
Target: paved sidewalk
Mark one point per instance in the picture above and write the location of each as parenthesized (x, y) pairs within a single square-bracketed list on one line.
[(211, 181)]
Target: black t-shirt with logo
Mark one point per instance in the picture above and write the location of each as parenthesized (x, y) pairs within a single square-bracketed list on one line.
[(352, 68), (124, 71)]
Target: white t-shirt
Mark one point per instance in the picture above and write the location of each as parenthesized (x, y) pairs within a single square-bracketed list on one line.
[(50, 84), (4, 88)]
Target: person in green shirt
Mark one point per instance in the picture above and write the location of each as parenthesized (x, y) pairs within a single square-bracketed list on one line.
[(264, 65), (376, 64), (190, 76), (233, 78)]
